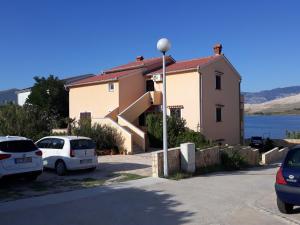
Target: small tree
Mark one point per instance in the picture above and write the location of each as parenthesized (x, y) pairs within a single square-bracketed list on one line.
[(50, 96)]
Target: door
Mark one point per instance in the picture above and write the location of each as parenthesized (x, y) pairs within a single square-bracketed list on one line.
[(149, 85)]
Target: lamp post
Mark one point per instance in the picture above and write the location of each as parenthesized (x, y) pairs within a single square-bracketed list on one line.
[(163, 45)]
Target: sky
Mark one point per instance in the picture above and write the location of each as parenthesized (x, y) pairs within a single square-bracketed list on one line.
[(261, 38)]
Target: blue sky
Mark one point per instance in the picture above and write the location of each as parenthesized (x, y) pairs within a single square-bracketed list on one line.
[(37, 38)]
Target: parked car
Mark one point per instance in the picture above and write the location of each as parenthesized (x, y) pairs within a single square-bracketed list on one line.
[(287, 184), (257, 142), (64, 153), (19, 157)]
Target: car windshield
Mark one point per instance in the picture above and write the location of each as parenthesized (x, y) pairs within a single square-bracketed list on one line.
[(293, 159), (17, 146), (82, 144)]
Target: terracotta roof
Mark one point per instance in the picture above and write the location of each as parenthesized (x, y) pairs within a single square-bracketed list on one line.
[(103, 77), (187, 64), (134, 65), (146, 66)]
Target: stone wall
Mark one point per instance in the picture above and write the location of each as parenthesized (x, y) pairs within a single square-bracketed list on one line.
[(158, 162), (250, 155), (207, 157), (274, 155), (203, 158)]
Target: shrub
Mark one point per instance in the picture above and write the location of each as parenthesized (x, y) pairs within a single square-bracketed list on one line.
[(232, 161), (177, 132), (106, 137), (293, 134), (269, 144), (194, 137), (27, 121)]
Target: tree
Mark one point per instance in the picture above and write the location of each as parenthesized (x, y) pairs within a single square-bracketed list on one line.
[(27, 121), (49, 96)]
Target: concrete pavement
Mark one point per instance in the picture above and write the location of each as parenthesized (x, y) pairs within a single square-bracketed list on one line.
[(237, 198)]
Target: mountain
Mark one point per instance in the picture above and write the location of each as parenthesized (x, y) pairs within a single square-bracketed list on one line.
[(8, 96), (285, 105), (269, 95)]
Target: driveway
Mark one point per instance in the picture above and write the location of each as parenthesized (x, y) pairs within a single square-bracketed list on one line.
[(237, 198), (111, 170)]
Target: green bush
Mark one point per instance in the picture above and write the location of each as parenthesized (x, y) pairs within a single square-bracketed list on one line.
[(194, 137), (177, 132), (268, 145), (293, 134), (106, 137), (28, 121), (232, 161)]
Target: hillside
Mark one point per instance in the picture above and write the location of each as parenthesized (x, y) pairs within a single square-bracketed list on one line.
[(285, 105), (269, 95)]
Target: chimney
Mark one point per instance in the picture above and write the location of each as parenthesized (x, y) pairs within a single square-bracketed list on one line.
[(139, 58), (218, 49)]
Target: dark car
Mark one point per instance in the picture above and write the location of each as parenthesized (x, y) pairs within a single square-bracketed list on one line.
[(257, 142), (287, 184)]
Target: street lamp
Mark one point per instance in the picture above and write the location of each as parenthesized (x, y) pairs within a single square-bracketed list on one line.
[(163, 45)]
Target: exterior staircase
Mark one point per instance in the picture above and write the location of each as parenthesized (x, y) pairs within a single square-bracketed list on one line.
[(134, 137)]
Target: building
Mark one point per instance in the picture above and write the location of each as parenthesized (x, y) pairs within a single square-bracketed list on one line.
[(203, 91), (8, 96), (22, 95)]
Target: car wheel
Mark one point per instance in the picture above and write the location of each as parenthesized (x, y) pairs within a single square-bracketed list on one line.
[(60, 168), (284, 207)]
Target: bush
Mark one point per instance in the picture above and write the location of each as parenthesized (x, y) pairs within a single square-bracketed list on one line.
[(269, 144), (177, 132), (293, 134), (232, 161), (27, 121), (106, 137), (192, 136)]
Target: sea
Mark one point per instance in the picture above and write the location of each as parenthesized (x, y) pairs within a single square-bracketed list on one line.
[(272, 126)]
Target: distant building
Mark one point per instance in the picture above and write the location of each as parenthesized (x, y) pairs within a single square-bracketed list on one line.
[(8, 96), (22, 95)]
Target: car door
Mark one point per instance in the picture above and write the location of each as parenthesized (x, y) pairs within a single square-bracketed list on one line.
[(291, 168), (45, 145)]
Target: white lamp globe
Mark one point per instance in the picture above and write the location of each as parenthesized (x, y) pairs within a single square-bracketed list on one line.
[(163, 45)]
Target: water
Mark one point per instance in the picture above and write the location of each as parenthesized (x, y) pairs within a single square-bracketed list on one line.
[(274, 126)]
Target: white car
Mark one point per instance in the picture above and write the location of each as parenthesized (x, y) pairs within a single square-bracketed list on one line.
[(64, 153), (19, 157)]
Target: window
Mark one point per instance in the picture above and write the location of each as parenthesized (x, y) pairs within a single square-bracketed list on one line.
[(57, 143), (17, 146), (218, 114), (111, 87), (85, 116), (44, 143), (82, 144), (175, 112), (293, 159), (218, 82)]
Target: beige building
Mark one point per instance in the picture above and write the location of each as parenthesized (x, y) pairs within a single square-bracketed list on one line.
[(203, 91)]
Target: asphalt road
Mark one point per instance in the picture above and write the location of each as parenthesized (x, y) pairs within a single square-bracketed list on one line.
[(245, 197)]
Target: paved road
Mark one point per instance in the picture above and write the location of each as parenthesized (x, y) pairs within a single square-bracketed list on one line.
[(222, 198)]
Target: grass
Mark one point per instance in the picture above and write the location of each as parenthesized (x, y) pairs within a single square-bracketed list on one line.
[(180, 176), (129, 176)]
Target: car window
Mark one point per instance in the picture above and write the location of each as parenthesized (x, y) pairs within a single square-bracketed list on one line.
[(17, 146), (293, 159), (57, 143), (45, 143), (82, 144)]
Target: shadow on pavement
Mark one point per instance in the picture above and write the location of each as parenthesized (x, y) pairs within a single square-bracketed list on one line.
[(126, 206)]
